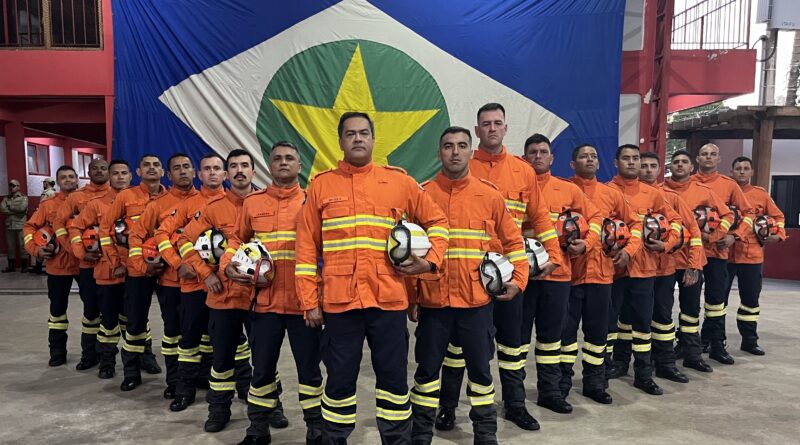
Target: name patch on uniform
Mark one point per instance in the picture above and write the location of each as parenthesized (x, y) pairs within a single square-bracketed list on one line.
[(264, 214), (333, 199)]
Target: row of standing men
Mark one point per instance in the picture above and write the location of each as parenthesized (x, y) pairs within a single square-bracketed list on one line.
[(331, 240)]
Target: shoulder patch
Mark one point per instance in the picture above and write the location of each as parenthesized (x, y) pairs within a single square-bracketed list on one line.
[(321, 173), (489, 183), (760, 188), (392, 167)]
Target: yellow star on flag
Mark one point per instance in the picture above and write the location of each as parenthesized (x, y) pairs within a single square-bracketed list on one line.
[(318, 125)]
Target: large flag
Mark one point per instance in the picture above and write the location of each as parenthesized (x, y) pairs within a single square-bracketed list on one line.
[(203, 75)]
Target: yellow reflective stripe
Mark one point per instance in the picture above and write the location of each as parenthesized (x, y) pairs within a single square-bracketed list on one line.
[(752, 310), (464, 253), (555, 346), (625, 336), (280, 235), (164, 245), (392, 414), (436, 231), (568, 358), (469, 234), (135, 251), (230, 250), (188, 358), (636, 233), (695, 242), (185, 249), (548, 235), (689, 318), (135, 218), (357, 242), (130, 337), (517, 221), (454, 362), (623, 326), (454, 349), (663, 327), (310, 390), (597, 349), (309, 403), (105, 241), (190, 351), (391, 397), (481, 400), (641, 335), (508, 350), (724, 223), (480, 389), (334, 403), (516, 256), (511, 366), (61, 232), (59, 318), (641, 347), (747, 317), (548, 359), (357, 220), (264, 390), (570, 347), (428, 387), (58, 326), (282, 255), (690, 329), (331, 416), (513, 204), (27, 238), (133, 348), (430, 402), (663, 337), (261, 401), (75, 240), (305, 269), (781, 224), (221, 375), (592, 360), (594, 227), (222, 386), (748, 220)]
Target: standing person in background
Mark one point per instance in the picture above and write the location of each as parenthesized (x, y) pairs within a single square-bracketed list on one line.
[(48, 189), (15, 207)]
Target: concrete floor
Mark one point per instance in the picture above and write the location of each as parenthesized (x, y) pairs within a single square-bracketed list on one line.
[(755, 401)]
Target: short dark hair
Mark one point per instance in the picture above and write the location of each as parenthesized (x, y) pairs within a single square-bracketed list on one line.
[(537, 138), (650, 155), (65, 168), (146, 155), (491, 106), (176, 156), (453, 130), (742, 159), (119, 162), (239, 152), (352, 114), (212, 156), (577, 150), (625, 147), (682, 153), (285, 144)]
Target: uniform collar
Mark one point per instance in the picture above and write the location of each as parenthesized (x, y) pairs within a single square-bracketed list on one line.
[(678, 186), (178, 193), (234, 197), (543, 179), (146, 190), (92, 187), (584, 183), (747, 187), (630, 186), (452, 184), (209, 193), (706, 177), (351, 169), (485, 156), (281, 192)]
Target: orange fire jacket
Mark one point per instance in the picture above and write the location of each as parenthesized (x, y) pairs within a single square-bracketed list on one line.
[(645, 199), (747, 249), (271, 215), (730, 194), (64, 262), (72, 206), (560, 196), (189, 209), (347, 218), (595, 266), (479, 222), (220, 213), (155, 212), (91, 215), (690, 255)]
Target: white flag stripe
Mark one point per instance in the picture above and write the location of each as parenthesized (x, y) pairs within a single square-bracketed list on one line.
[(221, 104)]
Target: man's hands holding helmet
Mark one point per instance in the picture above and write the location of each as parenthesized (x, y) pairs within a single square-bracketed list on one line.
[(511, 291), (232, 272), (546, 270), (418, 266)]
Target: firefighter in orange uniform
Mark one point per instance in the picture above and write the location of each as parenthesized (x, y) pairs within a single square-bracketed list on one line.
[(180, 172), (747, 258), (270, 216), (689, 257), (517, 183), (194, 344), (130, 204), (62, 266), (546, 299), (228, 301), (716, 271), (90, 323), (347, 218), (110, 289), (592, 275), (453, 301), (632, 291)]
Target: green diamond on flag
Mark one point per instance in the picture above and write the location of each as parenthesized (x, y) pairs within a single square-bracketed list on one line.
[(349, 57)]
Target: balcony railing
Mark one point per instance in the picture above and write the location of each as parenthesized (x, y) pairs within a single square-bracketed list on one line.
[(50, 24), (712, 24)]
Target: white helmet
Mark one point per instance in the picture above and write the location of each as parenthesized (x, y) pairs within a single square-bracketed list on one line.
[(404, 239), (537, 256), (255, 261), (211, 245), (495, 271)]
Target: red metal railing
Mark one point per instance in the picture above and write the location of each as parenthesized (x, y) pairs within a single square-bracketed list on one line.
[(712, 24)]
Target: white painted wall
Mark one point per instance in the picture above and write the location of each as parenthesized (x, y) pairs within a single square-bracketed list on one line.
[(633, 26), (3, 168), (785, 160), (35, 185)]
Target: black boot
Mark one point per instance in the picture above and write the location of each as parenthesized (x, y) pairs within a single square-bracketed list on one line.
[(37, 268), (522, 418), (10, 266), (24, 268), (277, 419), (446, 419), (751, 346), (719, 353)]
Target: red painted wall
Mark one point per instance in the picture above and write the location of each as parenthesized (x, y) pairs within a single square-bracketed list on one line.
[(780, 259)]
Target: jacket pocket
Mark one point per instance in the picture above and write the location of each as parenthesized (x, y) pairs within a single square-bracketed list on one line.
[(391, 288), (338, 281)]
